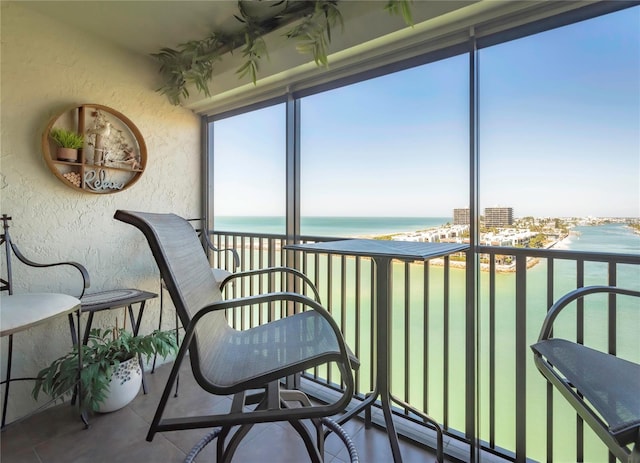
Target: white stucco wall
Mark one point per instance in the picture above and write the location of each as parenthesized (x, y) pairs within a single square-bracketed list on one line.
[(46, 67)]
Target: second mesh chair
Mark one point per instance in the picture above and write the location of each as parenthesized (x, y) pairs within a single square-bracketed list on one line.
[(226, 361)]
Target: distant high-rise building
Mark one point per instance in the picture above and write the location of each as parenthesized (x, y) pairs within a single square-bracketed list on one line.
[(461, 216), (498, 216)]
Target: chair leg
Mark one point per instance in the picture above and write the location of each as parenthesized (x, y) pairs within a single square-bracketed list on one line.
[(177, 363), (234, 442), (292, 395), (225, 453), (315, 450), (273, 394), (317, 424), (289, 395), (222, 436), (7, 381)]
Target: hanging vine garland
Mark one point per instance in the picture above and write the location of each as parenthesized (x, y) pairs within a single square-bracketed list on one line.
[(192, 62)]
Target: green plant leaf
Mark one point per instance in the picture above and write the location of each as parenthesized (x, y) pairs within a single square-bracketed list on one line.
[(67, 138), (192, 63), (401, 8), (104, 351)]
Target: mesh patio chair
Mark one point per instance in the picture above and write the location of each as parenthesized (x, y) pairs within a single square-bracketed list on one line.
[(249, 364), (602, 388), (6, 284), (220, 274)]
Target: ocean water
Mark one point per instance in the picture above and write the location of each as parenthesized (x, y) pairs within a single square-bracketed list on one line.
[(426, 336), (330, 226), (612, 237)]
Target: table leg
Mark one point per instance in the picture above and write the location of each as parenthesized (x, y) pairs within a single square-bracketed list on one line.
[(87, 328), (383, 348), (7, 381), (382, 373), (364, 405), (383, 360), (436, 426), (83, 413), (135, 327)]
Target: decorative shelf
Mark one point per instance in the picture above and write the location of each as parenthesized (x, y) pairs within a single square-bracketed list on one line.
[(113, 156)]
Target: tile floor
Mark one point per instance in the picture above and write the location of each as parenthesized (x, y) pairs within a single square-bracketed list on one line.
[(56, 435)]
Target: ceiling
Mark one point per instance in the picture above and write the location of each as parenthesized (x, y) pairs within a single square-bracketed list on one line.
[(140, 26), (147, 26), (370, 37)]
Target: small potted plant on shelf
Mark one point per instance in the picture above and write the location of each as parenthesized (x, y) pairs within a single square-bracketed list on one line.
[(111, 375), (69, 142)]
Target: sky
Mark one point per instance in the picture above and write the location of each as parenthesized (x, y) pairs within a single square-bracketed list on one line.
[(558, 124)]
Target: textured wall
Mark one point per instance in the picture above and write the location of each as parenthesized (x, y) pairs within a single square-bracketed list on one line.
[(45, 68)]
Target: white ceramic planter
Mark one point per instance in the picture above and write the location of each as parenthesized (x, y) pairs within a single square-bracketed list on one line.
[(124, 386)]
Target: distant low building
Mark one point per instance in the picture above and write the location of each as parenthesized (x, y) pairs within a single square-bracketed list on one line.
[(496, 217), (448, 234)]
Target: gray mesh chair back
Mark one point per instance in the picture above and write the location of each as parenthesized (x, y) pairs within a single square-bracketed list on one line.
[(187, 275), (229, 361)]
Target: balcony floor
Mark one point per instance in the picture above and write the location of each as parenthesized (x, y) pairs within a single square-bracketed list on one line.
[(57, 435)]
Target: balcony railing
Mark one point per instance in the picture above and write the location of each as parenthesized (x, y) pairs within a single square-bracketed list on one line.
[(515, 413)]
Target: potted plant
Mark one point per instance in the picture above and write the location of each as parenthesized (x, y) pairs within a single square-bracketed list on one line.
[(69, 142), (111, 375)]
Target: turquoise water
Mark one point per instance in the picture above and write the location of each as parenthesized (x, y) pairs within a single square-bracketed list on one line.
[(610, 238), (331, 226), (603, 238), (426, 330)]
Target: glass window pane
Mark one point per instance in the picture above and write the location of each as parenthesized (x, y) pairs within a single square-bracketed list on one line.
[(249, 171), (392, 147), (560, 118)]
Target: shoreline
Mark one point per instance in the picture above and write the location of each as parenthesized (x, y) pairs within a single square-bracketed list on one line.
[(561, 241)]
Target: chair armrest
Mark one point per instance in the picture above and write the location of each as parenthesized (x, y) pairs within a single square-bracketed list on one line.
[(83, 271), (234, 253), (556, 308), (289, 270), (601, 387), (273, 297)]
